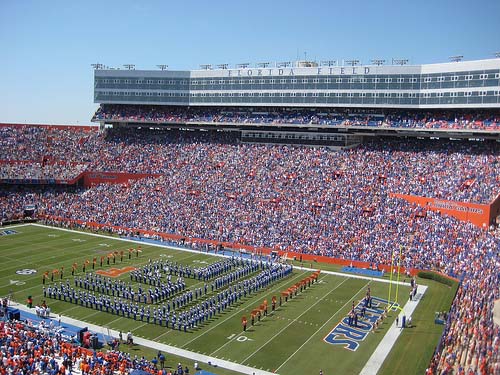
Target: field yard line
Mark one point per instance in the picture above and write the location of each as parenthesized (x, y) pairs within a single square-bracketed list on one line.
[(53, 265), (36, 264), (241, 333), (353, 276), (294, 320), (114, 320), (128, 240), (164, 333), (378, 357), (193, 252), (18, 263), (69, 309), (319, 329), (230, 317), (197, 357)]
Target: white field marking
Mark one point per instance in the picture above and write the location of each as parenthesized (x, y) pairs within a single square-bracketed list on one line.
[(16, 260), (131, 241), (353, 276), (16, 282), (36, 265), (194, 253), (289, 324), (164, 333), (243, 339), (241, 333), (66, 311), (16, 226), (320, 328), (378, 357), (236, 312)]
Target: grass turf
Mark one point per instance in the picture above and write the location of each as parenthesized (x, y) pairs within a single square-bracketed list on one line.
[(289, 341)]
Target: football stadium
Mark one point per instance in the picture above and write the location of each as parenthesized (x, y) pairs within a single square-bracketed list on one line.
[(289, 218)]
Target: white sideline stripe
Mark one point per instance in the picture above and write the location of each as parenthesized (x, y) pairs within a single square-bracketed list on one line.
[(353, 276), (129, 240), (378, 357), (196, 357), (15, 226)]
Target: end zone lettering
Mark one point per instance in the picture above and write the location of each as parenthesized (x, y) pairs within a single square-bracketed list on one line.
[(350, 336), (7, 232)]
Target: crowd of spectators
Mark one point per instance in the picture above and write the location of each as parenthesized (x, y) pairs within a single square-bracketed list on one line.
[(462, 171), (310, 200), (13, 202), (45, 152), (41, 349), (40, 171), (38, 143), (444, 120), (339, 117)]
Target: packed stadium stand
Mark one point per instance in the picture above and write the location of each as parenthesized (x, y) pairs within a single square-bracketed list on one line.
[(41, 349), (217, 163), (340, 117)]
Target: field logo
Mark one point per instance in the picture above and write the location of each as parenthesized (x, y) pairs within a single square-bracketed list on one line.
[(115, 272), (7, 232), (26, 271), (349, 335), (16, 282)]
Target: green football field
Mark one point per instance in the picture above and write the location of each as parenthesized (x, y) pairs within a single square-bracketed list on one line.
[(289, 340)]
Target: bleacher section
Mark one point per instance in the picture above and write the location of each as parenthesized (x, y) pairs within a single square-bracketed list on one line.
[(336, 117)]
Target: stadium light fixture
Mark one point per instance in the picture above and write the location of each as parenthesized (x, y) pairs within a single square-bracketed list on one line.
[(400, 61), (456, 58), (262, 65), (329, 62), (129, 66), (378, 62), (97, 66), (162, 66), (242, 65), (353, 62), (206, 66), (222, 66)]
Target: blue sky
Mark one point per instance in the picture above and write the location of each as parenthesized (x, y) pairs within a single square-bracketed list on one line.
[(48, 46)]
